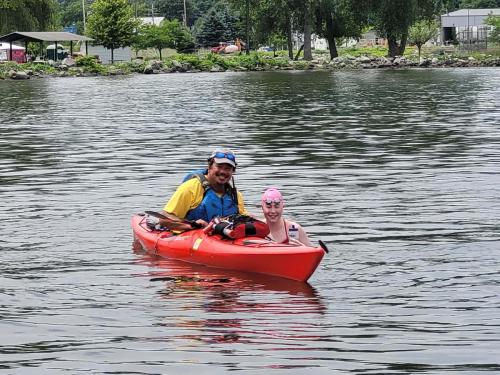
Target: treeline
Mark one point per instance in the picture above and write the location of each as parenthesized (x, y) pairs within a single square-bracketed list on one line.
[(204, 23)]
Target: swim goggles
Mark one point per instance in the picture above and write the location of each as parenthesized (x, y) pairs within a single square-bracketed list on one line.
[(269, 202)]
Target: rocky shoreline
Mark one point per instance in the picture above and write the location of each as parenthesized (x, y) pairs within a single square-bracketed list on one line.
[(175, 66)]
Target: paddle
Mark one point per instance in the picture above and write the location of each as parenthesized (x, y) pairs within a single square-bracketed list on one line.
[(172, 222), (323, 246)]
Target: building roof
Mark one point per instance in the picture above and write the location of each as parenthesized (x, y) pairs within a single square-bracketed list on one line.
[(44, 36), (467, 17), (473, 12)]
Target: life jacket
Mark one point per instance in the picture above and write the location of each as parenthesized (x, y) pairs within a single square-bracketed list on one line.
[(212, 205), (240, 226)]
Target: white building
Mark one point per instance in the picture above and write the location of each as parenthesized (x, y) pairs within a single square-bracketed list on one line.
[(466, 25), (104, 54), (151, 20)]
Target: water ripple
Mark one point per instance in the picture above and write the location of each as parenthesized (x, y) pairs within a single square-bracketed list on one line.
[(396, 170)]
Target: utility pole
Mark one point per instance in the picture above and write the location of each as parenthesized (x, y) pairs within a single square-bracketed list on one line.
[(153, 12), (185, 15), (247, 17), (84, 17)]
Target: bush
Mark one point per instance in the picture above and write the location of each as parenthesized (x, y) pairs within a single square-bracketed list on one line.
[(377, 51), (133, 66), (6, 67), (40, 68), (90, 64)]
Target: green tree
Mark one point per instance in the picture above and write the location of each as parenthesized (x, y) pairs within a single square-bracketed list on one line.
[(393, 19), (71, 12), (153, 36), (308, 20), (27, 15), (179, 35), (341, 19), (422, 31), (169, 34), (479, 4), (495, 33), (217, 26), (112, 24)]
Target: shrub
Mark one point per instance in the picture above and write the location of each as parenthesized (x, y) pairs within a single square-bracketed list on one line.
[(90, 64)]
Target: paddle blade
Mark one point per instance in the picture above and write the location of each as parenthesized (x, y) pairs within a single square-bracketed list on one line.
[(323, 246)]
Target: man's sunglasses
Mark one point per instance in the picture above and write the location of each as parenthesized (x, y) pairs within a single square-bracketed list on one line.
[(224, 155)]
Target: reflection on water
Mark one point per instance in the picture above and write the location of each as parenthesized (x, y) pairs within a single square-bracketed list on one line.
[(233, 306), (397, 171)]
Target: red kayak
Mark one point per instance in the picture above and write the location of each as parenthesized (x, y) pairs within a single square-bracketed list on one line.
[(249, 254)]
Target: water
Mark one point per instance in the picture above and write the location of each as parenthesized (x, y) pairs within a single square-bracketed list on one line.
[(397, 171)]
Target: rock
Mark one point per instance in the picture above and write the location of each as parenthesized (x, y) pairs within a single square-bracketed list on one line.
[(117, 71), (216, 68), (364, 59), (424, 63), (69, 61), (18, 75), (176, 65), (384, 62), (152, 67), (368, 66)]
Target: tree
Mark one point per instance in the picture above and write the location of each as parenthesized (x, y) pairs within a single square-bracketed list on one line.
[(153, 36), (180, 37), (495, 22), (112, 24), (169, 34), (308, 21), (337, 19), (217, 26), (71, 12), (479, 4), (422, 31), (271, 19), (26, 15), (393, 18)]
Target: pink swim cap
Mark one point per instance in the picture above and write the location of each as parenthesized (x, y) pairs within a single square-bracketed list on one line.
[(272, 195)]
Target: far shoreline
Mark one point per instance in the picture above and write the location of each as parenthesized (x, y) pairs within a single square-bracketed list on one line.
[(86, 67)]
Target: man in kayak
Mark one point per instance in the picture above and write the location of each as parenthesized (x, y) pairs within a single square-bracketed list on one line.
[(209, 193), (281, 230)]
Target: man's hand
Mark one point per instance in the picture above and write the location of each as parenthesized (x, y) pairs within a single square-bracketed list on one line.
[(201, 222)]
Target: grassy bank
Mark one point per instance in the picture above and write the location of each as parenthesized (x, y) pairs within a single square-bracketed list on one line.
[(209, 62)]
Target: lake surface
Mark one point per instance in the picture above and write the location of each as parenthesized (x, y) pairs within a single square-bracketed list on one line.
[(397, 171)]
